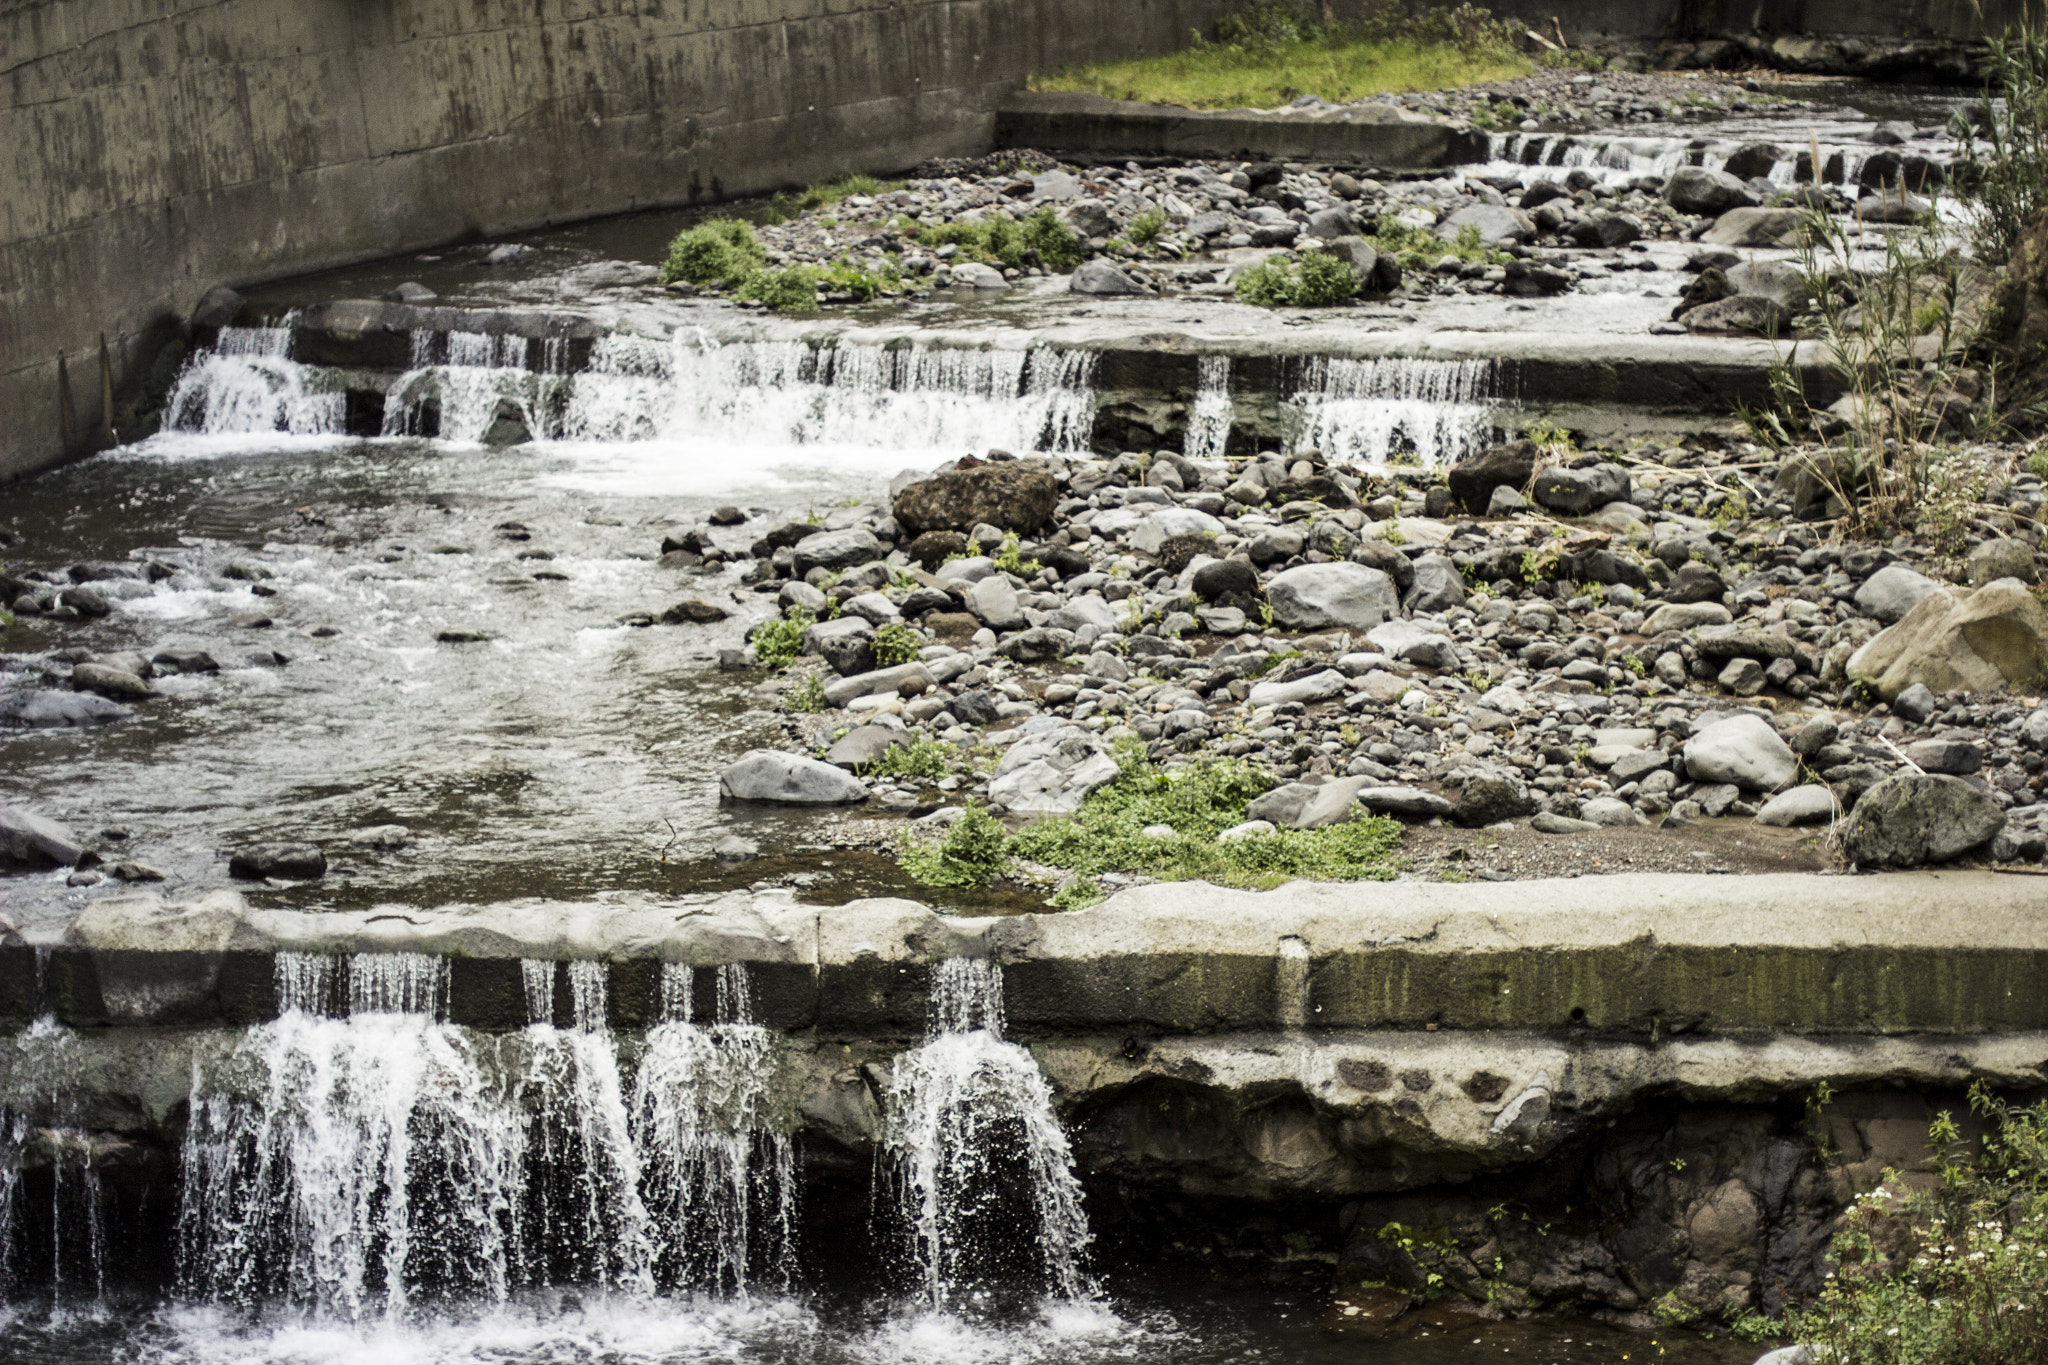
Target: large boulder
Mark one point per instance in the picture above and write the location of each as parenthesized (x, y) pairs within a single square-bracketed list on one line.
[(1914, 818), (1011, 495), (1510, 466), (1695, 189), (789, 779), (847, 643), (1753, 315), (1982, 641), (1052, 773), (1104, 277), (1743, 750), (1319, 596)]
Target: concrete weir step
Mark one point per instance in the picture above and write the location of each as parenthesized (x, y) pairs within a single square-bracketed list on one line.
[(1376, 135), (1629, 958)]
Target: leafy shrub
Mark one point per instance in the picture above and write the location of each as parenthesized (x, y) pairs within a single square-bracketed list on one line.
[(1146, 227), (1957, 1275), (896, 644), (778, 643), (925, 759), (1004, 241), (789, 289), (723, 252), (970, 853), (808, 696), (1313, 279)]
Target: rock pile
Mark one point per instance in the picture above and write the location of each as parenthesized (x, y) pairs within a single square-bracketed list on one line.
[(1640, 644)]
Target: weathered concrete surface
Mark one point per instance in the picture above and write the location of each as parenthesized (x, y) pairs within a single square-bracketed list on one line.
[(152, 155), (1374, 135), (1640, 956)]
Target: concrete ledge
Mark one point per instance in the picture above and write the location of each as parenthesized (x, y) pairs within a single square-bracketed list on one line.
[(1624, 957), (1359, 134)]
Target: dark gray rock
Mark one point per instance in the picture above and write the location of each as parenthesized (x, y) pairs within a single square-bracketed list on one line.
[(1697, 190), (1915, 818), (1575, 492), (1101, 276), (293, 862), (1489, 800), (1011, 495), (837, 550), (1473, 481), (846, 643)]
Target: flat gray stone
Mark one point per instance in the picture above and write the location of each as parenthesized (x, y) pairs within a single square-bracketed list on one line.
[(1410, 803), (789, 779), (1812, 804), (864, 745), (843, 690), (1315, 687), (1893, 591), (1052, 773)]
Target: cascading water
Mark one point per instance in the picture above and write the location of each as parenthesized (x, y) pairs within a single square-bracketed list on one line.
[(247, 383), (459, 380), (791, 393), (348, 1164), (720, 1176), (969, 1136), (1209, 415), (581, 1216), (1368, 412)]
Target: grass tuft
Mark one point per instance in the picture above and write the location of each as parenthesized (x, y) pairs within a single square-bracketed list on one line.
[(723, 252)]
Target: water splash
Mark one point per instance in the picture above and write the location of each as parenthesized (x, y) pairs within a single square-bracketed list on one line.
[(247, 383), (792, 393), (970, 1140), (1209, 415), (1368, 412), (459, 380), (67, 1236), (720, 1168)]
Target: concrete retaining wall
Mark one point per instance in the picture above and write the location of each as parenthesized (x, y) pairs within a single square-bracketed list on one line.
[(153, 153)]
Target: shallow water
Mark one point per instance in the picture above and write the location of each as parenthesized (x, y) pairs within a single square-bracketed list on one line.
[(1167, 1317), (564, 755)]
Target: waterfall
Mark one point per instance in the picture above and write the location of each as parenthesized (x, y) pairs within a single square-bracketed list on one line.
[(247, 383), (1396, 409), (791, 393), (581, 1220), (1209, 415), (350, 1163), (965, 1111), (359, 1154), (457, 381), (720, 1177), (68, 1235)]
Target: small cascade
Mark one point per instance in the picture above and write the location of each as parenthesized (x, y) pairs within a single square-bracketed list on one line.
[(720, 1172), (1394, 410), (458, 381), (62, 1237), (581, 1220), (349, 1164), (246, 383), (970, 1143), (792, 393), (1209, 415)]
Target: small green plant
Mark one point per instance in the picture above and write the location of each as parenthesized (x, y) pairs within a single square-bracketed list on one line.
[(1007, 559), (1146, 227), (895, 644), (973, 850), (777, 643), (1308, 279), (808, 696), (723, 252)]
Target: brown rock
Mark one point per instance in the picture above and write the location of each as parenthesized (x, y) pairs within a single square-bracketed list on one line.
[(1510, 466), (1015, 495)]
